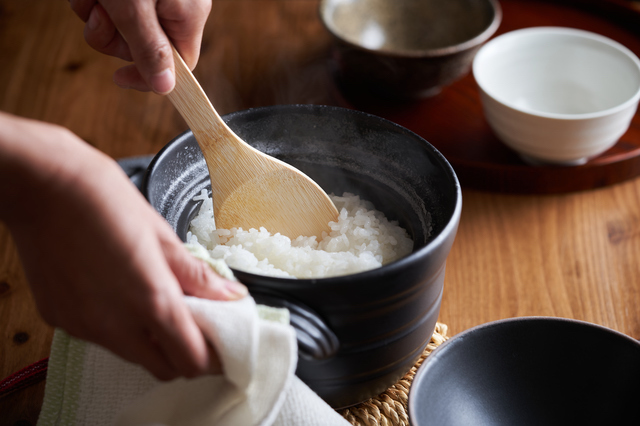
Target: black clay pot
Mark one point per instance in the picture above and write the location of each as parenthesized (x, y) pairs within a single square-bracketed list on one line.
[(357, 334)]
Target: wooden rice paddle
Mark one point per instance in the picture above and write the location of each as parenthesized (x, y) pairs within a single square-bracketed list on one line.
[(249, 188)]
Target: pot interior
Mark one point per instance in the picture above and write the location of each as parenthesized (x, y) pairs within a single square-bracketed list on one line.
[(342, 150)]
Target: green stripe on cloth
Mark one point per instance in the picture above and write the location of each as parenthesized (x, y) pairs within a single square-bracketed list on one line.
[(62, 390)]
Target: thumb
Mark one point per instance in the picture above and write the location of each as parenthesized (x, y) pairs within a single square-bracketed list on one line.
[(198, 279)]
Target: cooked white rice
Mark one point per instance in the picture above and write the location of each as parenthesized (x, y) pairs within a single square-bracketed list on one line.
[(360, 240)]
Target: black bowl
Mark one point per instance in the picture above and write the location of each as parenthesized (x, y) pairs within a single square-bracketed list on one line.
[(406, 49), (530, 371), (357, 334)]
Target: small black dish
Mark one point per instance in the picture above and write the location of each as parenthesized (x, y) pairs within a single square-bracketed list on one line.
[(530, 371)]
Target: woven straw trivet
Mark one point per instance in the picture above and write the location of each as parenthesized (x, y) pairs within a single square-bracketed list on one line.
[(390, 407)]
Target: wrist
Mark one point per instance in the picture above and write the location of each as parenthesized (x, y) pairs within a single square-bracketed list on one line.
[(38, 163)]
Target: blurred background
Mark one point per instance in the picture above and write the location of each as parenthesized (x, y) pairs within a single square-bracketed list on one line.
[(531, 242)]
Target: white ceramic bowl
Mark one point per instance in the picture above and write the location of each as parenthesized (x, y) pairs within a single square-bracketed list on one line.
[(557, 95)]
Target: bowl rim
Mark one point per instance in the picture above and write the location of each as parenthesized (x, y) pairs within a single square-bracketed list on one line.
[(432, 358), (425, 53), (554, 30)]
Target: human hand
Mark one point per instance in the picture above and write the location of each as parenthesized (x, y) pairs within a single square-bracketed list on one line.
[(140, 31), (102, 264)]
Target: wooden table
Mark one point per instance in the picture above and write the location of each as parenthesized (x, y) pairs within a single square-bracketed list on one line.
[(574, 255)]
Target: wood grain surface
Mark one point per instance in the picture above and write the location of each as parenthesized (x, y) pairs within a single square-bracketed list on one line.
[(571, 255)]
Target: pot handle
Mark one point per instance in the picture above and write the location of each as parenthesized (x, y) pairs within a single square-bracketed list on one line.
[(315, 338)]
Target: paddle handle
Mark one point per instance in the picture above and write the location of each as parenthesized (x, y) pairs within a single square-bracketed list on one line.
[(211, 132)]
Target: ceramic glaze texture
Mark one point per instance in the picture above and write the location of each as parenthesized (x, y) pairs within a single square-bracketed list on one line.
[(557, 95), (406, 48)]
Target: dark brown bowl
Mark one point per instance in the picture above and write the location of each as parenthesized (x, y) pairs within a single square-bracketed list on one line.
[(357, 334), (530, 371), (406, 48)]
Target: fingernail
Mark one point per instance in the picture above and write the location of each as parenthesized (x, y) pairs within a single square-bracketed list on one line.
[(93, 21), (237, 289), (163, 82), (121, 85)]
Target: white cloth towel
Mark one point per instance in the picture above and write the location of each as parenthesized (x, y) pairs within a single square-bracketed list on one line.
[(88, 385)]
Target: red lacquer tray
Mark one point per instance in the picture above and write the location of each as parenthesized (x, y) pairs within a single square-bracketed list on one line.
[(454, 123)]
